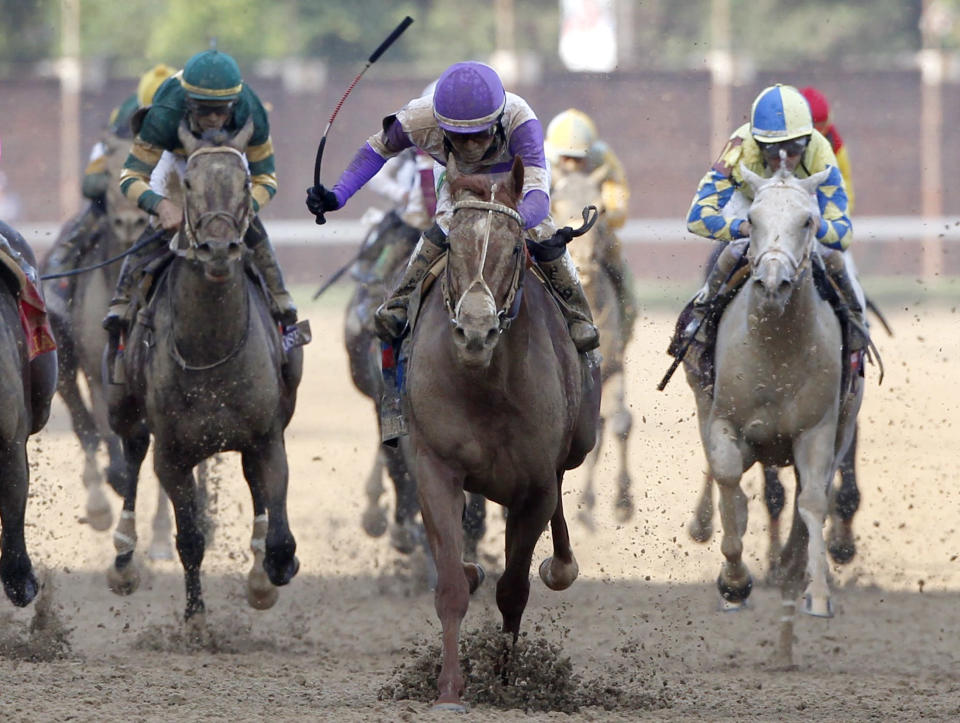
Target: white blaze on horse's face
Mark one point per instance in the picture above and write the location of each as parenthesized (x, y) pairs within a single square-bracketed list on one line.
[(784, 218)]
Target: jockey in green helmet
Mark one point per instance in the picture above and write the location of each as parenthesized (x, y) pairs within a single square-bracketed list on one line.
[(210, 95)]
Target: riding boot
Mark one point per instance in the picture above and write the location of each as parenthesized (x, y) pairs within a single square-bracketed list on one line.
[(836, 268), (562, 275), (393, 424), (265, 259), (117, 318), (723, 267), (390, 319)]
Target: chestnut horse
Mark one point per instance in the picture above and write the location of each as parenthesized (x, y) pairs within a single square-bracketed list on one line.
[(499, 403)]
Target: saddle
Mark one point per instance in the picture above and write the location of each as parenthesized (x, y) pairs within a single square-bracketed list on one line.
[(22, 280), (698, 355)]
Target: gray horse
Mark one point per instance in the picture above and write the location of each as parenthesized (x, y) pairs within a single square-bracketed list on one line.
[(778, 396), (76, 306), (499, 403), (206, 373), (26, 388), (569, 195)]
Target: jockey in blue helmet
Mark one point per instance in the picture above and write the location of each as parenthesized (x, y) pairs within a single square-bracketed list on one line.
[(471, 117)]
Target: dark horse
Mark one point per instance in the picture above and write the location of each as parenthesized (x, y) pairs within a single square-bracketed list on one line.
[(497, 411), (205, 373), (391, 241), (26, 406)]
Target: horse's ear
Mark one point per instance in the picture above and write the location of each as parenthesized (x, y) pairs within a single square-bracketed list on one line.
[(516, 175), (242, 137), (812, 183), (754, 180), (189, 141)]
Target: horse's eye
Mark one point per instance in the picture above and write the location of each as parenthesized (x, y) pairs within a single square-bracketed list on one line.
[(809, 222), (186, 184)]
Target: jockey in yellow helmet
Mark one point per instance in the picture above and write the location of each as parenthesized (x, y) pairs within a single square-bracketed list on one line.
[(572, 146), (74, 244), (780, 130)]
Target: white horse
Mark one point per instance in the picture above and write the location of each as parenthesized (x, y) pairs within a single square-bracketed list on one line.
[(780, 395)]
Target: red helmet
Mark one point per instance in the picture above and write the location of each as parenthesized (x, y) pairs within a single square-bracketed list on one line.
[(819, 108)]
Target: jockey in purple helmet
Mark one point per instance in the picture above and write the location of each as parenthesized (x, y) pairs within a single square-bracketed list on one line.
[(472, 118)]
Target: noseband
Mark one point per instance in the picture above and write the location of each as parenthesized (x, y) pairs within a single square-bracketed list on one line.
[(191, 225), (507, 313), (797, 266)]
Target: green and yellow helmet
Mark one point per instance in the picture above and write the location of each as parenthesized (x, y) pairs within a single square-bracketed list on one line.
[(780, 113), (211, 76)]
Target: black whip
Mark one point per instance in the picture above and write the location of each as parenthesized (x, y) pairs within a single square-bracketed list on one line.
[(396, 33)]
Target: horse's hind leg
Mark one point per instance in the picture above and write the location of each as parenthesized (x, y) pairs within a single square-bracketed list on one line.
[(123, 577), (405, 531), (844, 504), (813, 454), (559, 571), (588, 497), (16, 571), (266, 472), (774, 497), (474, 525), (161, 529), (791, 571), (700, 527), (622, 424), (374, 520)]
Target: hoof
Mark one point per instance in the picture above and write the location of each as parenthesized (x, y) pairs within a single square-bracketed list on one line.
[(817, 607), (281, 575), (374, 521), (700, 532), (842, 552), (123, 581), (160, 549), (475, 580), (726, 606), (23, 592), (261, 593), (558, 580), (450, 707), (403, 539), (734, 594), (98, 514)]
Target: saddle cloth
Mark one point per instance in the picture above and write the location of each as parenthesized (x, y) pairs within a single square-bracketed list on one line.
[(33, 311)]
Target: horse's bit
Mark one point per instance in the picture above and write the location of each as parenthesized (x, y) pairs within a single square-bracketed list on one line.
[(491, 207)]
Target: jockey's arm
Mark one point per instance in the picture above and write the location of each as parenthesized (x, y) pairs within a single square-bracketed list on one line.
[(835, 229), (843, 163), (526, 141), (371, 157), (263, 174), (135, 176), (614, 191), (706, 212)]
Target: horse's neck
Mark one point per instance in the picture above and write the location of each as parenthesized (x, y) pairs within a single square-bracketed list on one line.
[(215, 313)]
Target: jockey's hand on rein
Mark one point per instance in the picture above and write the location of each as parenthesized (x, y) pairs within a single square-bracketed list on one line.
[(551, 248), (320, 201)]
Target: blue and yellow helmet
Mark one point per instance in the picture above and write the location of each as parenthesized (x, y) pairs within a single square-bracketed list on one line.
[(212, 76), (780, 113)]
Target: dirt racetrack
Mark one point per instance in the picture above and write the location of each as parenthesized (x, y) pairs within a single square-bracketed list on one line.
[(642, 617)]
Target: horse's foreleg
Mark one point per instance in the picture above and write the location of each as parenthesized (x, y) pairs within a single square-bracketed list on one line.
[(726, 466), (374, 518), (440, 492), (791, 571), (266, 472), (524, 525), (178, 482), (123, 577), (162, 528), (813, 454), (622, 424), (700, 527), (16, 571), (559, 572)]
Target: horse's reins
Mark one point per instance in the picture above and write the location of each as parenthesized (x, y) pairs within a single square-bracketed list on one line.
[(113, 259), (491, 207), (189, 232)]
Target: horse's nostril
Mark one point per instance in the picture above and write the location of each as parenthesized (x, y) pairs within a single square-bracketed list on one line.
[(460, 333), (491, 336)]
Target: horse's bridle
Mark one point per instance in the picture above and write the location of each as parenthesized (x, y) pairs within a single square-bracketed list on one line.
[(190, 225), (797, 267), (507, 312)]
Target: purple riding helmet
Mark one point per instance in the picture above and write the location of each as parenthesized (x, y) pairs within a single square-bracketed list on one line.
[(468, 98)]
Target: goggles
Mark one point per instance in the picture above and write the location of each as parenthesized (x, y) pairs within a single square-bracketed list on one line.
[(205, 109), (793, 147)]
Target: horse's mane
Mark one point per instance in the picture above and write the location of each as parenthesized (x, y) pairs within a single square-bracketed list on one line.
[(479, 185), (216, 136)]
